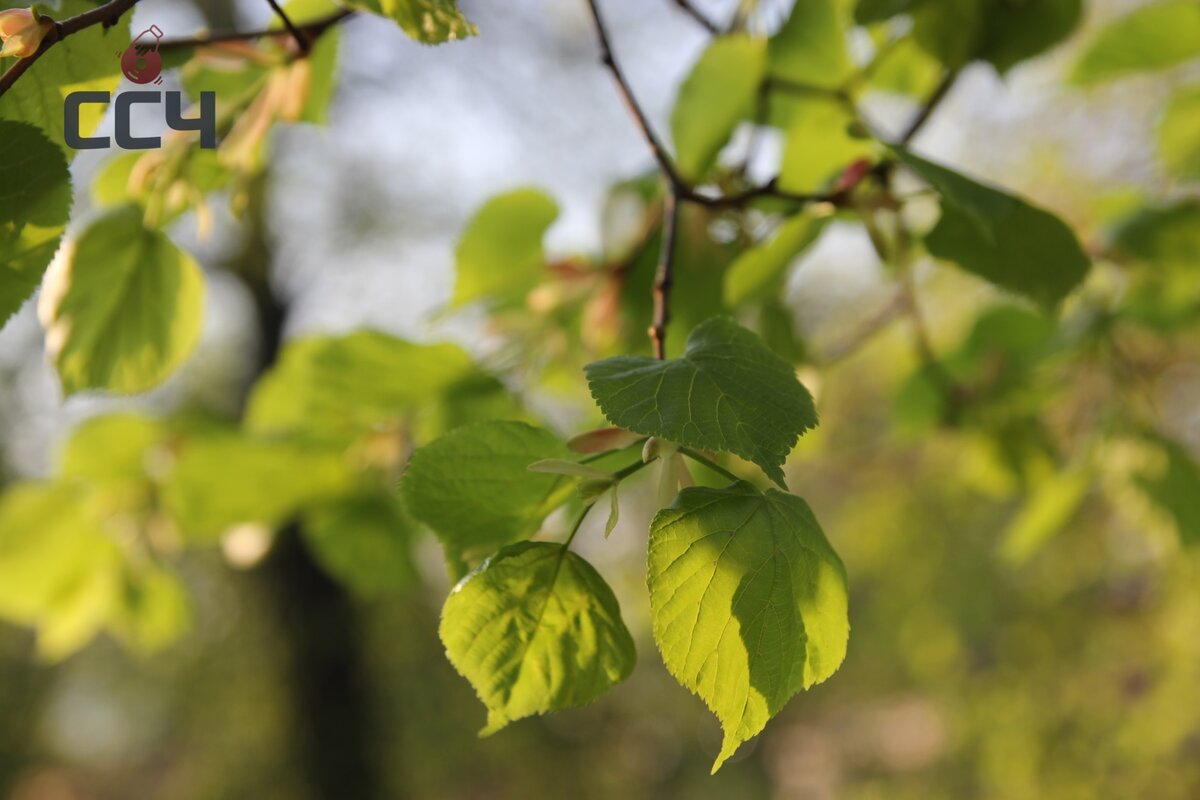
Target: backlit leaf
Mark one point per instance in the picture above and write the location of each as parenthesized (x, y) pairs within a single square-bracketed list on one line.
[(499, 257), (1148, 39)]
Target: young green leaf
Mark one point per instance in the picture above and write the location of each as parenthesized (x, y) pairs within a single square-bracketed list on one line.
[(88, 60), (728, 392), (1000, 237), (35, 202), (1176, 489), (1148, 39), (473, 488), (719, 93), (123, 308), (759, 272), (811, 48), (499, 257), (535, 629), (748, 602), (1179, 135), (427, 21)]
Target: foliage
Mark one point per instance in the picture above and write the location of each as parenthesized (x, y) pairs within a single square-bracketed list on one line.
[(363, 441)]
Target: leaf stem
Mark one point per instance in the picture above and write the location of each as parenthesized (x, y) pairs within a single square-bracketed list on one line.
[(310, 29), (939, 94), (708, 462)]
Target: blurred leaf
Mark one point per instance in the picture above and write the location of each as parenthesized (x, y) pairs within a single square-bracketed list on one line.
[(1163, 235), (472, 487), (35, 202), (223, 479), (906, 69), (123, 310), (535, 629), (1148, 39), (1179, 135), (322, 77), (748, 602), (337, 387), (364, 542), (499, 257), (720, 92), (154, 610), (111, 186), (810, 48), (1000, 237), (777, 327), (1050, 506), (427, 21), (819, 145), (57, 564), (1001, 32), (89, 60), (1176, 489), (111, 447), (728, 392), (759, 272)]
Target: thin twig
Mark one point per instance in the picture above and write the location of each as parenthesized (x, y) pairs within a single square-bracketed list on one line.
[(665, 164), (935, 100), (699, 16), (708, 462), (301, 39), (106, 15), (311, 29), (664, 276)]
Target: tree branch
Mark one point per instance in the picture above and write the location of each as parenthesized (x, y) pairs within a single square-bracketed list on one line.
[(935, 100), (664, 276), (312, 30), (301, 39), (106, 15), (699, 16)]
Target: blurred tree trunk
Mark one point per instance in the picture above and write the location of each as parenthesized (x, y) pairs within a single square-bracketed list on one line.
[(327, 681)]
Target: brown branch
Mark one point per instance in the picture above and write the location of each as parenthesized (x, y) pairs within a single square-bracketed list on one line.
[(664, 276), (939, 94), (312, 30), (106, 15), (696, 14), (301, 39)]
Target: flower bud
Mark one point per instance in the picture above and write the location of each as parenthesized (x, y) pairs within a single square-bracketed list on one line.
[(22, 31)]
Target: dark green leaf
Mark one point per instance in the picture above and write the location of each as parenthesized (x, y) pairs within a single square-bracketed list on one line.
[(728, 392), (811, 46)]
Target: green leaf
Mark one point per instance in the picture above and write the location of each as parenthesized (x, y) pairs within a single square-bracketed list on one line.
[(728, 392), (499, 257), (153, 609), (759, 272), (1049, 507), (88, 60), (810, 48), (1162, 235), (427, 21), (1179, 135), (472, 487), (1149, 39), (1000, 237), (907, 69), (748, 602), (819, 145), (123, 308), (1001, 32), (35, 202), (111, 448), (1176, 489), (222, 479), (719, 93), (535, 629), (337, 387), (364, 542)]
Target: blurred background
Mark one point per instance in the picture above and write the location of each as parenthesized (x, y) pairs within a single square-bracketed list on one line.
[(1074, 673)]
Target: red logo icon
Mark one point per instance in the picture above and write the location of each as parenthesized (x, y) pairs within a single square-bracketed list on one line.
[(141, 61)]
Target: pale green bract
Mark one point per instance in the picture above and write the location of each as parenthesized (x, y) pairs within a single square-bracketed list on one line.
[(1000, 237), (748, 602), (35, 202), (719, 93), (535, 629), (427, 21), (471, 486), (728, 392), (499, 257), (123, 308)]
